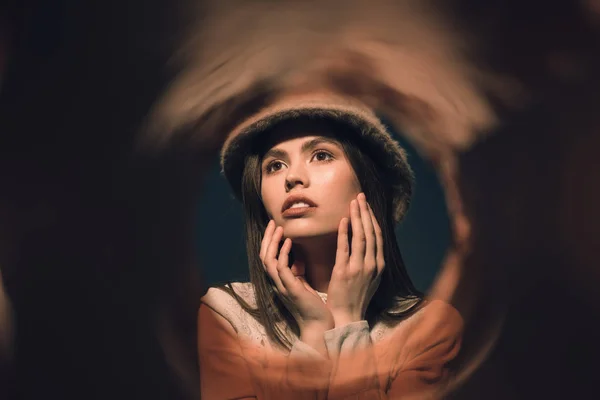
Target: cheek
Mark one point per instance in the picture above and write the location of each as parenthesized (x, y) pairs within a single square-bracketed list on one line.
[(340, 185), (269, 198)]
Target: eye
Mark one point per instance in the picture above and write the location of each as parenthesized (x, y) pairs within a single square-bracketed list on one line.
[(322, 155), (273, 166)]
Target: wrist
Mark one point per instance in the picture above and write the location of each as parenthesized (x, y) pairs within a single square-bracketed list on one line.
[(315, 328), (343, 319), (314, 336)]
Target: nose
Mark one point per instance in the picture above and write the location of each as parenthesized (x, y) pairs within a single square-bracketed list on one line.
[(296, 176)]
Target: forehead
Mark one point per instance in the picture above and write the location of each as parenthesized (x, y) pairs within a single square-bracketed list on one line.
[(298, 131)]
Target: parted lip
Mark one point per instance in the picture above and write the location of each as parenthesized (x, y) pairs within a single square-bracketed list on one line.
[(296, 198)]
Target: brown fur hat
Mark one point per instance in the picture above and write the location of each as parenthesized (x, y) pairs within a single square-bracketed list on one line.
[(369, 130)]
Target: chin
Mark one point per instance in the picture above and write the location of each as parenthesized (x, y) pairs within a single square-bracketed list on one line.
[(305, 228)]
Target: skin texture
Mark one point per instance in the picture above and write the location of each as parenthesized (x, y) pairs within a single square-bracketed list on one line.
[(321, 173)]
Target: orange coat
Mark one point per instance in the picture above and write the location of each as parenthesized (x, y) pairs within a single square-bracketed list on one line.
[(407, 360)]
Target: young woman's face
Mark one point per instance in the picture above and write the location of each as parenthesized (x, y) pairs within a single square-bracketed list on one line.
[(307, 185)]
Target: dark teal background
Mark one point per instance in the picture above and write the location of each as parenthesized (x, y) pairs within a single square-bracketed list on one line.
[(423, 236)]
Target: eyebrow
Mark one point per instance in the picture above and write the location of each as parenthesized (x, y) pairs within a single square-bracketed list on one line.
[(306, 146)]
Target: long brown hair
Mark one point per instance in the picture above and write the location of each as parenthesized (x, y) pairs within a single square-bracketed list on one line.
[(396, 296)]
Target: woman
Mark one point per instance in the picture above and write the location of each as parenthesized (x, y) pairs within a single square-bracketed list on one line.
[(330, 311)]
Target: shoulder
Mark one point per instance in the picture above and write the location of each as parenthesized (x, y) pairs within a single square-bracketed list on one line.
[(221, 297), (433, 312), (436, 328), (439, 314), (435, 318), (221, 301)]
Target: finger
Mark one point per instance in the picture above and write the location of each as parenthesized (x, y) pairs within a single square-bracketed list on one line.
[(267, 239), (277, 282), (380, 257), (285, 275), (370, 241), (270, 259), (273, 246), (284, 254), (343, 247), (357, 251)]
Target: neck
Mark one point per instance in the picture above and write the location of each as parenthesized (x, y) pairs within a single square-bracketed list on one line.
[(317, 255)]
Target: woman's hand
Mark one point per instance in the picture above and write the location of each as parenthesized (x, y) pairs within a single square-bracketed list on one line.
[(305, 304), (357, 273)]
